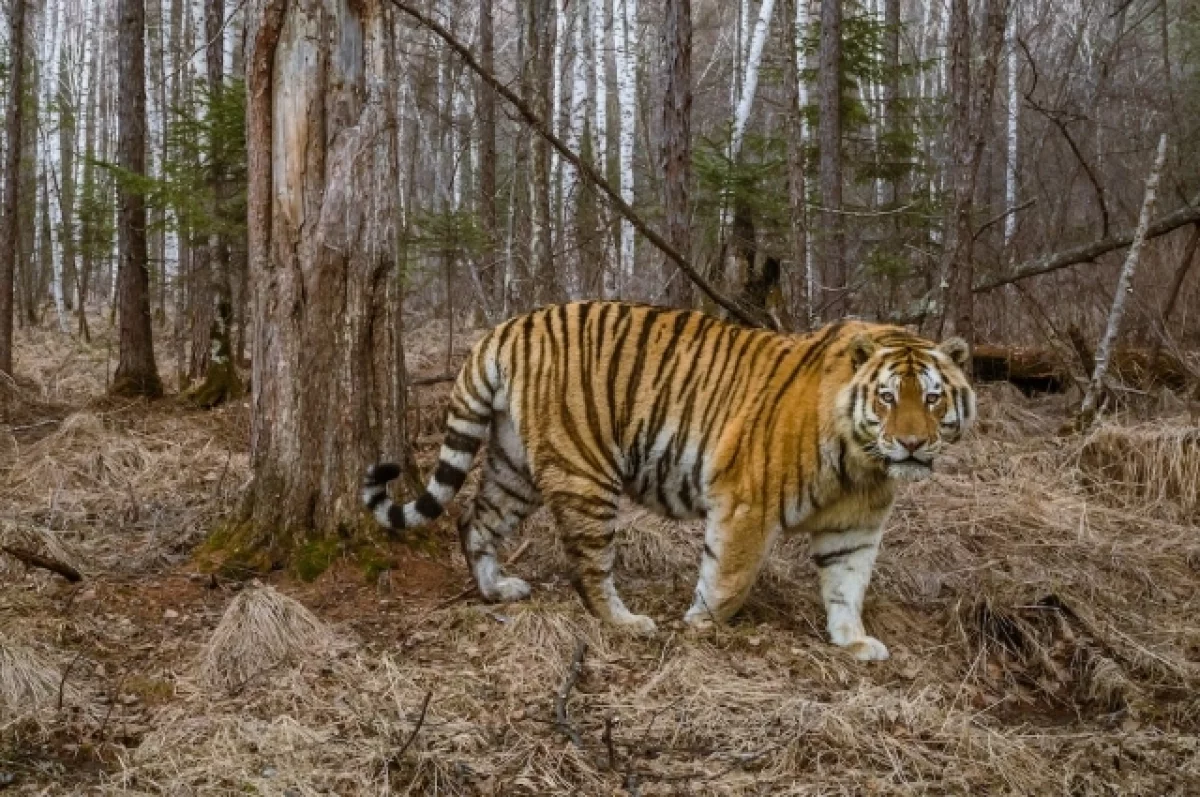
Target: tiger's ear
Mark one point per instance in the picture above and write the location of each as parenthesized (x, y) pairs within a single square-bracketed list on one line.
[(861, 347), (957, 350)]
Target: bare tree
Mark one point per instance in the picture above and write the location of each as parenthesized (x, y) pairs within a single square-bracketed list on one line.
[(12, 183), (1091, 397), (321, 248), (834, 295), (136, 372), (677, 139)]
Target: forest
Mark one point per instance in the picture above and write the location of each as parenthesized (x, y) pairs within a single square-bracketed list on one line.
[(247, 245)]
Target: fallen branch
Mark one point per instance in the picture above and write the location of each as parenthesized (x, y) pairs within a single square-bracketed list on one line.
[(1087, 411), (584, 168), (432, 380), (416, 729), (1188, 214), (31, 559), (561, 720)]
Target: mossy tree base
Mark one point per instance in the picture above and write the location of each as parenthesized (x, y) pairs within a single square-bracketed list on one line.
[(242, 549), (221, 384)]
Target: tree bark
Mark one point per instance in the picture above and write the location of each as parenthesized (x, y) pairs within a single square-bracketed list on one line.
[(12, 183), (486, 102), (968, 134), (834, 294), (677, 140), (221, 380), (798, 227), (1088, 409), (321, 246), (136, 373)]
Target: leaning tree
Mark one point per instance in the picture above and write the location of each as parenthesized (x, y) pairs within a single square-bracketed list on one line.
[(326, 384)]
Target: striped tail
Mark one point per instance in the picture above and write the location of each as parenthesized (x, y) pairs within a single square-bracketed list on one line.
[(467, 422)]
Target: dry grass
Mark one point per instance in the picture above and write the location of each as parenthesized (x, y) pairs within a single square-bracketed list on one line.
[(1039, 596), (29, 682), (262, 629)]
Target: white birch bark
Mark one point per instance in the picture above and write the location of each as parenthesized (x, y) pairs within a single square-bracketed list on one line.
[(600, 46), (556, 119), (625, 25), (1087, 411), (750, 85), (1012, 113)]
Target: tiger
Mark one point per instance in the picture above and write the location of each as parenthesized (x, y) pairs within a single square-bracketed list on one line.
[(756, 432)]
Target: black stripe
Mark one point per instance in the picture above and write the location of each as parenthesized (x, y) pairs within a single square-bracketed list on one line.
[(449, 475), (649, 318), (376, 499), (429, 507), (395, 516), (457, 441), (826, 559), (709, 552)]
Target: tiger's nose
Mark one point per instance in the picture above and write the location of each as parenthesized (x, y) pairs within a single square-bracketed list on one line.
[(911, 442)]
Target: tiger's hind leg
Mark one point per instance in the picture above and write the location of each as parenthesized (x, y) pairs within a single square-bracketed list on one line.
[(506, 497), (586, 517)]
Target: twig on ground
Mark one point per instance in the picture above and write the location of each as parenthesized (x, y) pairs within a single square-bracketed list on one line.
[(416, 729), (32, 559), (608, 743), (432, 380), (561, 720), (62, 684)]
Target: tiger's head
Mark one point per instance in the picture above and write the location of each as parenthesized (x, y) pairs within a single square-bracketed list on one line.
[(907, 399)]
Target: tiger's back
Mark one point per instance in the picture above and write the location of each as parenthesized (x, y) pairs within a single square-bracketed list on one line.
[(686, 414)]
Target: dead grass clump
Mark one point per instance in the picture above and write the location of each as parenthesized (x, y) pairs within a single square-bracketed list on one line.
[(29, 682), (1156, 466), (1044, 651), (262, 629)]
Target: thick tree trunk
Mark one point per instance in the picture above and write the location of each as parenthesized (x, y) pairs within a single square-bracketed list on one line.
[(136, 373), (12, 194), (677, 140), (321, 246), (833, 299)]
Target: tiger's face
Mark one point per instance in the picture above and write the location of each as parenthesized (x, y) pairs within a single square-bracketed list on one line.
[(907, 401)]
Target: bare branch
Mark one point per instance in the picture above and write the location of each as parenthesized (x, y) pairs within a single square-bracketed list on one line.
[(44, 562)]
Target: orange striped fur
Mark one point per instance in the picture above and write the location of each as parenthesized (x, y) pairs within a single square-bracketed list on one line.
[(756, 432)]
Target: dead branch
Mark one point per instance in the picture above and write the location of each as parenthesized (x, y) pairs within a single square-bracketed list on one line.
[(432, 380), (584, 168), (31, 559), (561, 720), (416, 729), (62, 684), (1188, 214), (1087, 412)]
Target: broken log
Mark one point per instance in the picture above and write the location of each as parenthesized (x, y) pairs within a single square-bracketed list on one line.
[(1038, 370)]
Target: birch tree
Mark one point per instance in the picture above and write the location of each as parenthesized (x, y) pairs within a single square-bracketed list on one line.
[(625, 24), (834, 289), (1091, 397)]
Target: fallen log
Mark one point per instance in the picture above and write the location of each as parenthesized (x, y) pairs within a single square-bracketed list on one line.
[(1038, 370)]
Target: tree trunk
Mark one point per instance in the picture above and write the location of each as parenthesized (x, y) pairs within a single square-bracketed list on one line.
[(136, 373), (321, 246), (968, 134), (12, 183), (221, 380), (1090, 405), (801, 275), (66, 159), (834, 296), (677, 141), (625, 23), (486, 102)]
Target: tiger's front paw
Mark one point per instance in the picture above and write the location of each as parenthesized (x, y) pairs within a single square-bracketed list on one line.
[(637, 624), (867, 648)]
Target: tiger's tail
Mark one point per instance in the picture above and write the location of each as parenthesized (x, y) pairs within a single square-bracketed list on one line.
[(467, 421)]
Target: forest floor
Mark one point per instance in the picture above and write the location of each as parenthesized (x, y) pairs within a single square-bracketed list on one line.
[(1040, 596)]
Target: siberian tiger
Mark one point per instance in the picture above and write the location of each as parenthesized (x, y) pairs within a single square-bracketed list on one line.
[(754, 431)]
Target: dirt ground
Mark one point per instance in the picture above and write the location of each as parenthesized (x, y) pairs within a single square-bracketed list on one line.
[(1039, 596)]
